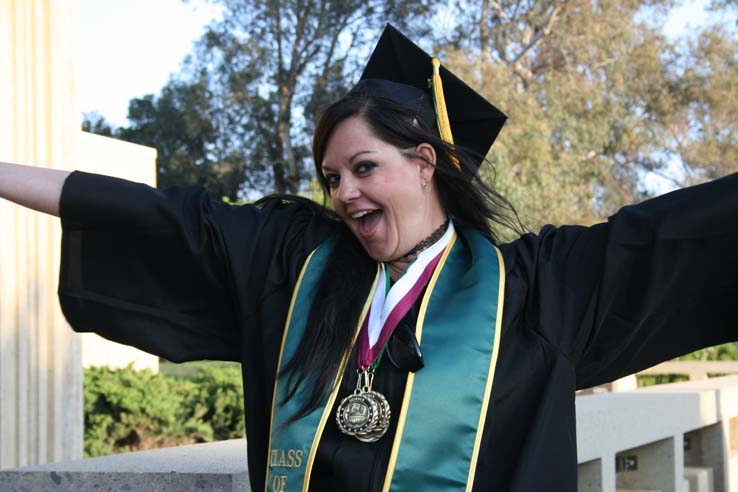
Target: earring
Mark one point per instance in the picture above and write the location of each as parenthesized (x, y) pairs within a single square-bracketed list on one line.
[(426, 185)]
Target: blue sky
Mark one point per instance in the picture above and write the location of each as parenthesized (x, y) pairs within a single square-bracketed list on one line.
[(129, 48)]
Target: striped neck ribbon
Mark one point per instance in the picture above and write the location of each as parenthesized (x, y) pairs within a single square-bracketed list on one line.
[(391, 304)]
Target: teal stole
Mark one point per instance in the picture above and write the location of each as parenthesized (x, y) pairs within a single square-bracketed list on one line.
[(444, 407)]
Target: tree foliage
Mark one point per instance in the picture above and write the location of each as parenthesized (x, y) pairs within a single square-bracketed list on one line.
[(598, 96), (240, 114), (96, 123), (275, 64), (181, 124)]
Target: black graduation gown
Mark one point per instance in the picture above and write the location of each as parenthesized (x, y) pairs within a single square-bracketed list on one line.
[(180, 275)]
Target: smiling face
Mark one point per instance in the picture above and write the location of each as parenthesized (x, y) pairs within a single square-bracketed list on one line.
[(379, 191)]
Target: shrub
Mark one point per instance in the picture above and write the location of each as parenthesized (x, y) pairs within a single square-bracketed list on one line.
[(217, 400), (127, 410)]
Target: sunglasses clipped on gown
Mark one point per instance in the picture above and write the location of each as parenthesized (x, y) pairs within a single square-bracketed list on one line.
[(403, 349)]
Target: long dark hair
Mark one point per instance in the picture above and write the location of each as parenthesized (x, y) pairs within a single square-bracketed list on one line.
[(339, 297)]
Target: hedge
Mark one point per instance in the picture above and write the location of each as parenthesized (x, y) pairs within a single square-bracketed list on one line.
[(129, 410), (726, 351)]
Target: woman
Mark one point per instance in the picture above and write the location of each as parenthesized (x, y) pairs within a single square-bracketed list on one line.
[(370, 344)]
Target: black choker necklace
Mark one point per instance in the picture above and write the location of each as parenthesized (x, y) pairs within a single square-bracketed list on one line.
[(426, 243)]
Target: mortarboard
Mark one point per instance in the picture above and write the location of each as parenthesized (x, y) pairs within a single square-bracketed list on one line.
[(402, 72)]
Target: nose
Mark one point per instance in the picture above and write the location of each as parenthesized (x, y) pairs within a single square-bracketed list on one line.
[(348, 190)]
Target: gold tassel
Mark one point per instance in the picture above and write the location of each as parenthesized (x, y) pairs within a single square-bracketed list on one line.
[(444, 125)]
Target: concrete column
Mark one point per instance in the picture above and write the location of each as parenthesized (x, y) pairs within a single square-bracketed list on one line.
[(655, 466), (705, 449), (40, 368)]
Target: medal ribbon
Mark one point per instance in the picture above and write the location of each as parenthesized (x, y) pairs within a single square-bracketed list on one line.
[(389, 307)]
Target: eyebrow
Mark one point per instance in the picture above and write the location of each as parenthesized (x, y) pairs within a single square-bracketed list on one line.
[(351, 159)]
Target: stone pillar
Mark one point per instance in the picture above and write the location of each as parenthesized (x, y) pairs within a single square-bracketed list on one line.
[(40, 368)]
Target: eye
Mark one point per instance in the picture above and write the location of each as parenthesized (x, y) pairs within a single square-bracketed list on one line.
[(332, 180), (365, 167)]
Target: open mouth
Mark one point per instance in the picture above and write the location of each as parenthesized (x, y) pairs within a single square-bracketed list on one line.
[(368, 221)]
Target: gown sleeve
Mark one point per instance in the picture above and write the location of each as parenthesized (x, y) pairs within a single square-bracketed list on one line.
[(658, 280), (173, 272)]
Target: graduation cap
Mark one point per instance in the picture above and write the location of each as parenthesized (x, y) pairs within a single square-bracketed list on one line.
[(400, 71)]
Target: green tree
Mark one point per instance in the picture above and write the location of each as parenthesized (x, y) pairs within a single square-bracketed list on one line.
[(597, 96), (239, 116), (181, 123), (96, 123), (702, 130), (274, 64)]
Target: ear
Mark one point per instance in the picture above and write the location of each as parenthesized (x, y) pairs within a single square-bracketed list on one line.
[(427, 159)]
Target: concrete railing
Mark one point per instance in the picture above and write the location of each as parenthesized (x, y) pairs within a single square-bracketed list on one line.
[(212, 467), (674, 437), (680, 437)]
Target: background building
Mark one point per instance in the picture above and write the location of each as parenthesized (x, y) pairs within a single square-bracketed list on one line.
[(40, 356)]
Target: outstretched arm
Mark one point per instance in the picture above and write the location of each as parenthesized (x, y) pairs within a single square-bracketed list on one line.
[(658, 280), (176, 273), (33, 187)]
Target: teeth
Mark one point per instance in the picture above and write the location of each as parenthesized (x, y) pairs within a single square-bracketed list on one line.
[(359, 215)]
